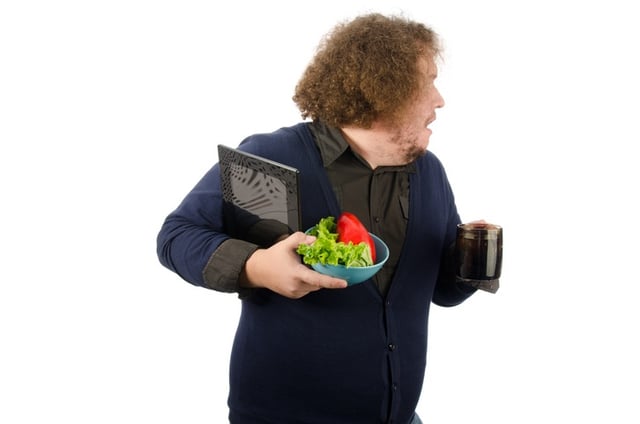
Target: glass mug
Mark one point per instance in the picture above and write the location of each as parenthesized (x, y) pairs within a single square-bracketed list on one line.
[(478, 255)]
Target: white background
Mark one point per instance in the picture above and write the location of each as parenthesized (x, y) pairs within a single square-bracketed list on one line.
[(111, 111)]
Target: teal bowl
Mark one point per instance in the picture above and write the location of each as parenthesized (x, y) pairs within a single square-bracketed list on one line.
[(357, 274)]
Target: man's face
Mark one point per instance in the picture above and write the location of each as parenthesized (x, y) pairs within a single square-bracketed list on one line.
[(411, 137)]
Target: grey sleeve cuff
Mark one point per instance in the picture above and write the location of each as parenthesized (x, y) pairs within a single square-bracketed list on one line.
[(222, 272)]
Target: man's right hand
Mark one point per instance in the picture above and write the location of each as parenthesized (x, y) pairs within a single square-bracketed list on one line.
[(280, 269)]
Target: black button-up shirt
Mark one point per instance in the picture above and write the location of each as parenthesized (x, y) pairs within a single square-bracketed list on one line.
[(378, 197)]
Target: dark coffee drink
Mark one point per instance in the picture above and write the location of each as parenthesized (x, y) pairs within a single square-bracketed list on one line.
[(478, 255)]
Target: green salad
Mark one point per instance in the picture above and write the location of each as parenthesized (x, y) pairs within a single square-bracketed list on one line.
[(327, 250)]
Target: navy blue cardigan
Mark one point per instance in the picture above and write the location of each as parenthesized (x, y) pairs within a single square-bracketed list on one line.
[(334, 356)]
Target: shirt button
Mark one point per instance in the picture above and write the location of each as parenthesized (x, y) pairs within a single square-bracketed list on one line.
[(392, 347), (376, 219)]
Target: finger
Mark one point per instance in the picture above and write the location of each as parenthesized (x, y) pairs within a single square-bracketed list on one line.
[(478, 221), (299, 238), (314, 278)]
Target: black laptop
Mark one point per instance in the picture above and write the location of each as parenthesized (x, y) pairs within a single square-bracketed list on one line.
[(261, 196)]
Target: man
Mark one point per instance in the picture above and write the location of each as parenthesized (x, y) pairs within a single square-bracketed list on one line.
[(309, 349)]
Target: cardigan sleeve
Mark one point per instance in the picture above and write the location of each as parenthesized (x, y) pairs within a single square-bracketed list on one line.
[(194, 242), (448, 291)]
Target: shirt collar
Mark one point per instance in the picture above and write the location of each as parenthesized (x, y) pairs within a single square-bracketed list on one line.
[(330, 141)]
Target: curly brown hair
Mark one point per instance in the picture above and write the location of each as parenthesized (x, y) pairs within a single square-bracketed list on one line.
[(365, 70)]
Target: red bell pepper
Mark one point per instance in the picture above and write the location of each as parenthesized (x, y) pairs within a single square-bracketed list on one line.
[(350, 229)]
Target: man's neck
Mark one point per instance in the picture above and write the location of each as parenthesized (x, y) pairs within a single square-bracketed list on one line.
[(373, 144)]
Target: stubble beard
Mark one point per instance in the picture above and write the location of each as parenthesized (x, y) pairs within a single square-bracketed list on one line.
[(410, 150)]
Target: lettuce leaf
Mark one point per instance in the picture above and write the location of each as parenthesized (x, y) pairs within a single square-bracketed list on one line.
[(327, 250)]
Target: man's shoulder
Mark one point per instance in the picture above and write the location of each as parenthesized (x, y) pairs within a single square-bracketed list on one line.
[(285, 144), (429, 159), (291, 132)]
